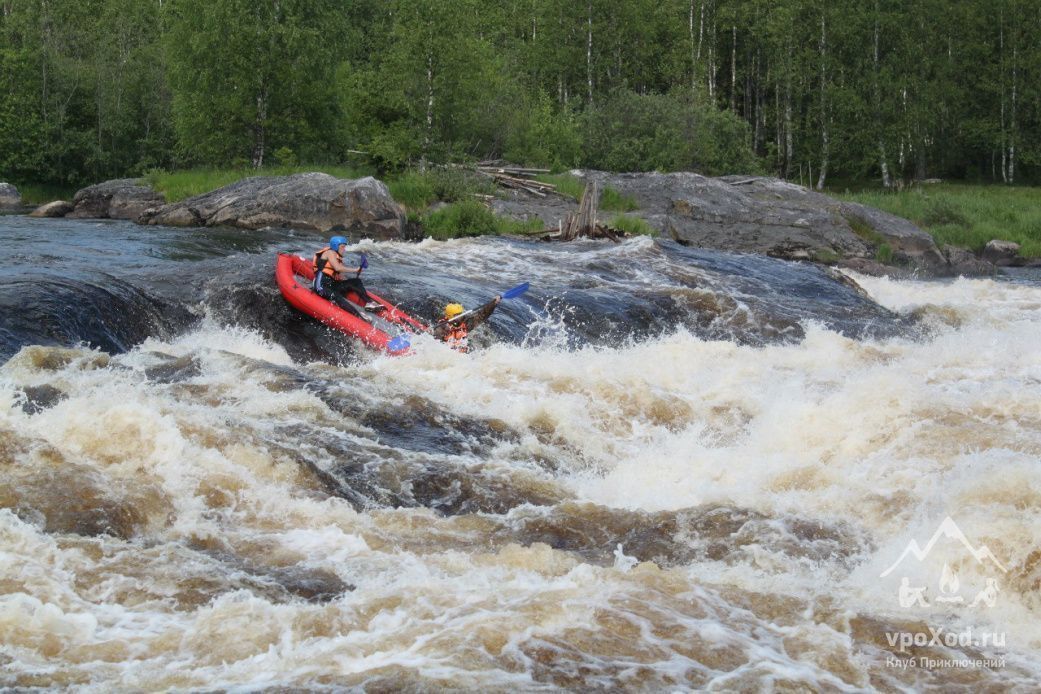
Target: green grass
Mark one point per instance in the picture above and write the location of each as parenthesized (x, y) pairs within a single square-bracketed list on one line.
[(566, 184), (178, 185), (418, 190), (573, 186), (38, 194), (472, 218), (966, 215), (632, 225)]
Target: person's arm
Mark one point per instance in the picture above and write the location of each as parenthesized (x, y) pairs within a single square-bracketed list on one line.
[(481, 313), (337, 265), (471, 318)]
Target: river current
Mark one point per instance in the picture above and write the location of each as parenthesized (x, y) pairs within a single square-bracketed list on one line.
[(661, 468)]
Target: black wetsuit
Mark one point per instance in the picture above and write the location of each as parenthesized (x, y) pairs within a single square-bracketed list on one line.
[(332, 289)]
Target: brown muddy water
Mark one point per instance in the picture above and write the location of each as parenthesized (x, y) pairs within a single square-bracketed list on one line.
[(664, 469)]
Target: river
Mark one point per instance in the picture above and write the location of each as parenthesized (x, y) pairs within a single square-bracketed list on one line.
[(661, 468)]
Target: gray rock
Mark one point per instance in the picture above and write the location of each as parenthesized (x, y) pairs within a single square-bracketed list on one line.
[(58, 208), (10, 198), (123, 198), (961, 261), (304, 201), (756, 214), (1001, 253)]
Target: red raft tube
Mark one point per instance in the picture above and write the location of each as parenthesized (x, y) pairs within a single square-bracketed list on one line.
[(389, 330)]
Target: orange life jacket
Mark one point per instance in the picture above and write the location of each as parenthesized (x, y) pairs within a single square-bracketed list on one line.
[(320, 264), (457, 338)]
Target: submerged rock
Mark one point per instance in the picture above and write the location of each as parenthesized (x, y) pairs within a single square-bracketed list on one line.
[(57, 208), (306, 201), (10, 198)]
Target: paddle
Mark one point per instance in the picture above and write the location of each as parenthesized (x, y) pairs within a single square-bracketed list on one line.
[(508, 294), (399, 343), (516, 291)]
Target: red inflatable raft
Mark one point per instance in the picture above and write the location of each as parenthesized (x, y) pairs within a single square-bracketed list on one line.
[(388, 330)]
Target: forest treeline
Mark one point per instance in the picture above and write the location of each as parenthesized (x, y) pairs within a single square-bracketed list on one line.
[(806, 89)]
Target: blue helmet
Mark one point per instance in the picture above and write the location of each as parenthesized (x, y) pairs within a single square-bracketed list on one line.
[(334, 242)]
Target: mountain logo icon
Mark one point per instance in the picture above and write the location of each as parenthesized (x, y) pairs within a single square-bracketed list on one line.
[(949, 529)]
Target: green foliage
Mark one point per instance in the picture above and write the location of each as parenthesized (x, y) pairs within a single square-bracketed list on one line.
[(40, 193), (413, 189), (825, 256), (471, 218), (103, 88), (967, 215), (566, 184), (664, 132), (884, 254), (573, 187), (612, 200), (632, 225), (418, 189), (864, 230), (286, 157), (542, 135), (249, 77)]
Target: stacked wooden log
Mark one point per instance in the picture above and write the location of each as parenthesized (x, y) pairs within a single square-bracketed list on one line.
[(517, 178), (583, 223)]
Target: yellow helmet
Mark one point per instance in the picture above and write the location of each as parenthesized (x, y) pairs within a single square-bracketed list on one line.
[(453, 310)]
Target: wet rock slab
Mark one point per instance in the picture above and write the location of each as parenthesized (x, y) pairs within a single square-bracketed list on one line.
[(305, 201)]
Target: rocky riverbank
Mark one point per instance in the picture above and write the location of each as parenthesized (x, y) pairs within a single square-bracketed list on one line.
[(10, 198), (754, 214), (748, 214)]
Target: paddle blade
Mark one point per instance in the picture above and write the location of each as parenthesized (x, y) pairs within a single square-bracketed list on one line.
[(399, 343), (516, 291)]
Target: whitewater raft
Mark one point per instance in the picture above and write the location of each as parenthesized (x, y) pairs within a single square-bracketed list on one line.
[(389, 331)]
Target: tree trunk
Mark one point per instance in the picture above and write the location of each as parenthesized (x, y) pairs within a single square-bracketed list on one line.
[(429, 131), (1012, 123), (695, 52), (883, 164), (824, 111), (260, 129), (789, 149), (589, 49), (733, 68), (1001, 62)]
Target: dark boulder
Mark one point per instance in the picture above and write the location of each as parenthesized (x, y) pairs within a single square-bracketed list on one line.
[(304, 201), (10, 198), (123, 198)]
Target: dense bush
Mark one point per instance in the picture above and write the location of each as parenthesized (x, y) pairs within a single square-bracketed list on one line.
[(664, 132)]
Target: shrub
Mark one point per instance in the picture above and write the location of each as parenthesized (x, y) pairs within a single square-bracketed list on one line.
[(471, 218), (667, 132), (632, 225), (884, 254), (466, 218), (611, 199), (286, 157), (413, 190)]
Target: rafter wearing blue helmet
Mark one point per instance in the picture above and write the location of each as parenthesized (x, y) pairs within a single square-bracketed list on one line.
[(332, 279)]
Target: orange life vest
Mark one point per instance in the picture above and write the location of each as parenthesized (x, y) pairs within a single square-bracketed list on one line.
[(457, 338), (320, 264)]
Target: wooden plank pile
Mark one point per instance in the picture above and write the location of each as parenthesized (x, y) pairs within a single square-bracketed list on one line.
[(517, 178), (583, 223)]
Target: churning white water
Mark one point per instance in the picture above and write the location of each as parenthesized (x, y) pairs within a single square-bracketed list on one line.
[(207, 511)]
